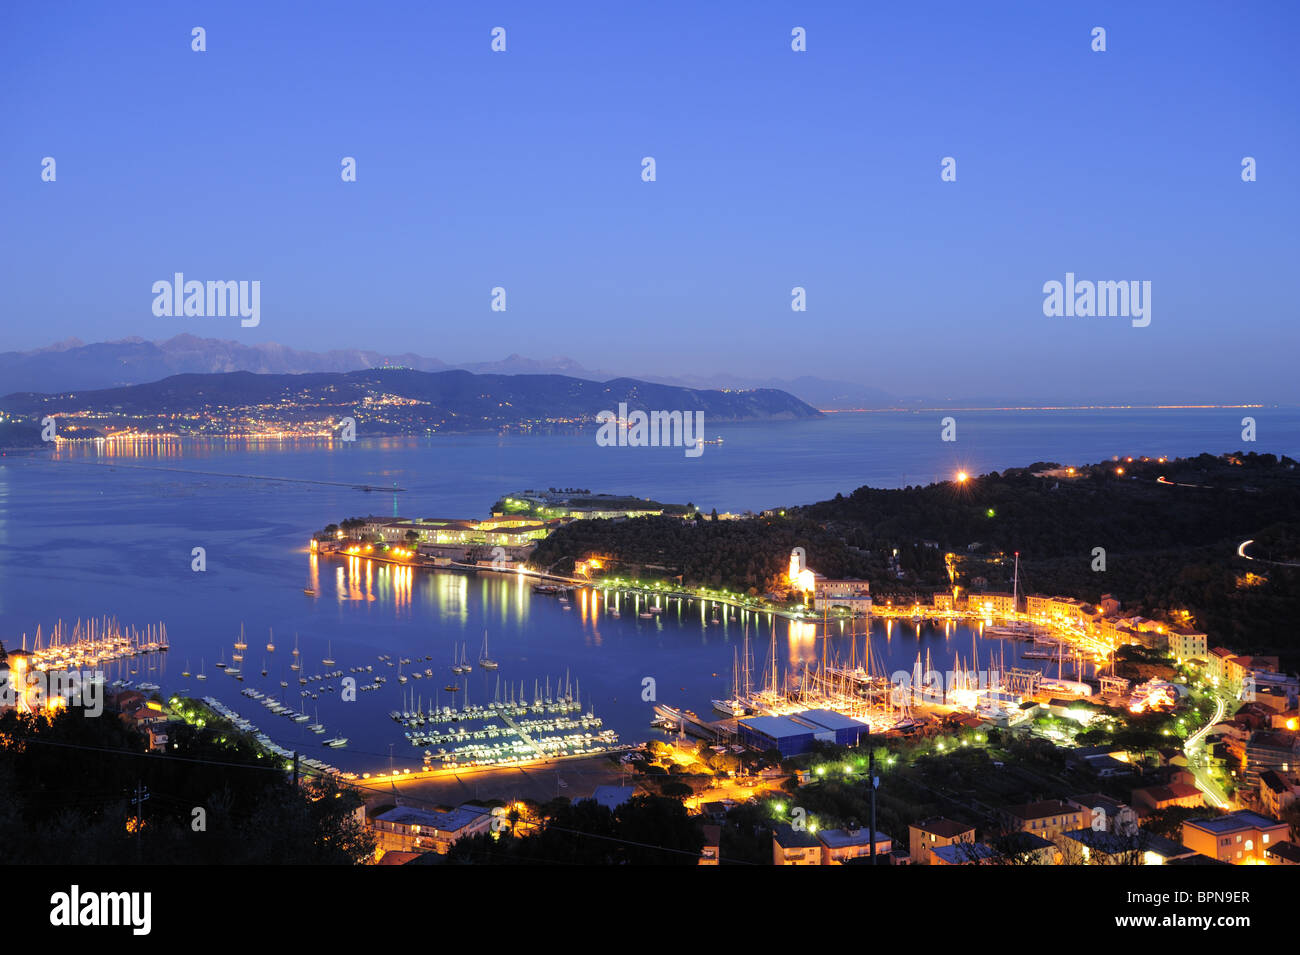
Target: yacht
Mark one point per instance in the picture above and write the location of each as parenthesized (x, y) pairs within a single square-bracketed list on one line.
[(483, 659)]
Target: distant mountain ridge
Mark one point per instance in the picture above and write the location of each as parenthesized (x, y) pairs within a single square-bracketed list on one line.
[(73, 365), (384, 401)]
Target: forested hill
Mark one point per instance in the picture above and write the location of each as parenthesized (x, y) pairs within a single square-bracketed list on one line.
[(391, 401), (1120, 505), (1169, 545)]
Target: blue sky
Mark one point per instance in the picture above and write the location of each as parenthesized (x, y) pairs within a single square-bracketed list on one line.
[(775, 169)]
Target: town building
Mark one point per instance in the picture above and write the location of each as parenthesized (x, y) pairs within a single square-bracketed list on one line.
[(792, 846), (410, 829), (1048, 818), (1239, 838), (1153, 798), (992, 604), (709, 852), (1276, 793), (1101, 811), (1270, 749), (848, 593), (935, 833), (1139, 847), (1187, 644), (840, 845)]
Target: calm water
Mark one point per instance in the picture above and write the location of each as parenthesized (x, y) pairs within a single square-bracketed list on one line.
[(81, 537)]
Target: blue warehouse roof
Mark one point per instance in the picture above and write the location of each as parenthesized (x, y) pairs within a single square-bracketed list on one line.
[(777, 727)]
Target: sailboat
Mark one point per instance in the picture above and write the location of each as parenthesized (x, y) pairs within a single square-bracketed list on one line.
[(270, 642), (297, 659), (484, 660), (240, 644), (263, 666), (329, 649), (200, 675), (186, 671), (318, 726), (465, 665), (221, 664), (401, 677), (733, 706)]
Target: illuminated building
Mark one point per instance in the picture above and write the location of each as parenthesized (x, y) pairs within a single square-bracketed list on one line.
[(850, 593), (800, 576), (1239, 838), (839, 845), (930, 834), (409, 829)]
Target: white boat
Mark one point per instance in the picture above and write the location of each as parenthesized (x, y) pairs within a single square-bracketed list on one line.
[(483, 659), (337, 741), (329, 649), (270, 642)]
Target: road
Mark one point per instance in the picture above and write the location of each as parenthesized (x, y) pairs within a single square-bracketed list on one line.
[(1196, 762), (1241, 552)]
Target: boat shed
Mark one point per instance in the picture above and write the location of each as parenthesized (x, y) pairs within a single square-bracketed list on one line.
[(793, 735)]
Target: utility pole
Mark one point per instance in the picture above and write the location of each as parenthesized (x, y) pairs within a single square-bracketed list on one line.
[(875, 783), (140, 796)]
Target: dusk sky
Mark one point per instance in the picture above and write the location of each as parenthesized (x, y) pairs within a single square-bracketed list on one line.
[(775, 169)]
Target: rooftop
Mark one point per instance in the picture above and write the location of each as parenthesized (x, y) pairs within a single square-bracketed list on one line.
[(1234, 821), (451, 820), (943, 828), (1040, 810), (787, 837), (843, 838)]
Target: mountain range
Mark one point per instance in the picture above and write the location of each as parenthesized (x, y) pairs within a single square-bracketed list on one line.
[(73, 365)]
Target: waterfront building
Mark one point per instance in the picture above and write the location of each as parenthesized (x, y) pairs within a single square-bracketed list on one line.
[(1239, 838), (849, 593), (410, 829), (935, 833), (795, 734), (575, 505), (992, 604)]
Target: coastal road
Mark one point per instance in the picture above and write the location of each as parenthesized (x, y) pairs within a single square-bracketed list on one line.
[(1214, 795), (1241, 552)]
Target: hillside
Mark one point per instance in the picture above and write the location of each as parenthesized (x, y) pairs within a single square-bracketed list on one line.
[(384, 402)]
